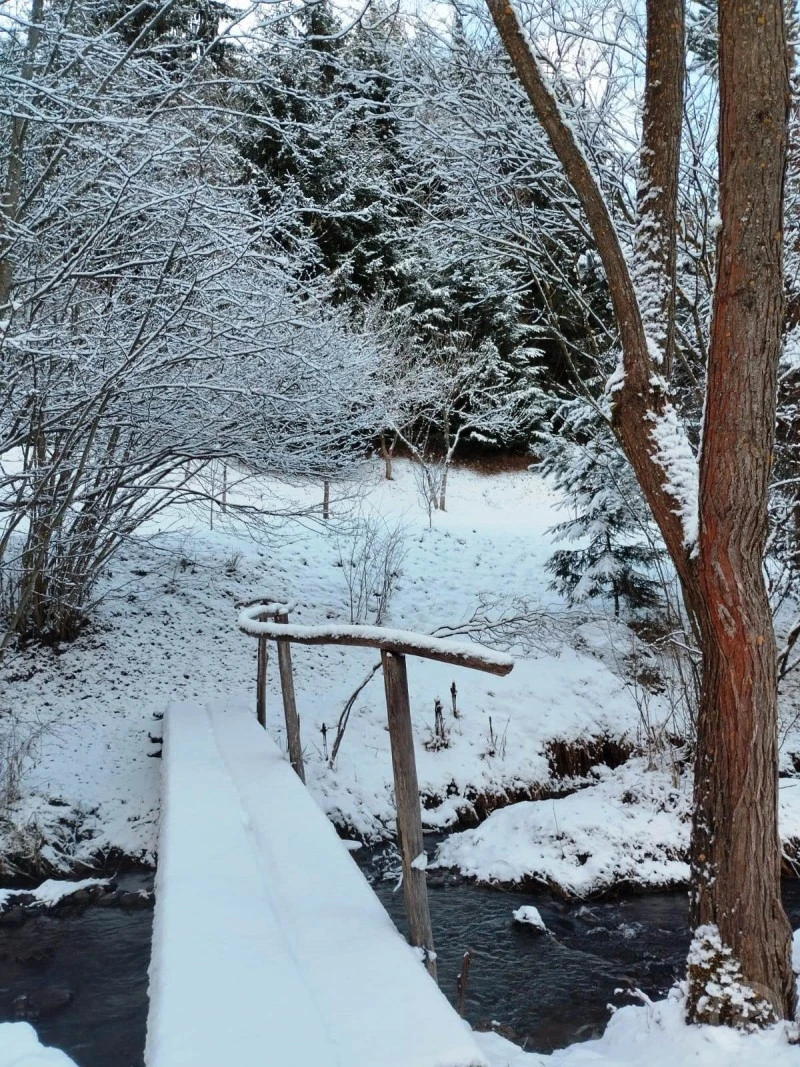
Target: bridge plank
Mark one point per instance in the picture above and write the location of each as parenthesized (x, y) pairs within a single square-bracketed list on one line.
[(269, 945)]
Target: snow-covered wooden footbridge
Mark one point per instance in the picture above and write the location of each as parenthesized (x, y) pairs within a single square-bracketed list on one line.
[(270, 948)]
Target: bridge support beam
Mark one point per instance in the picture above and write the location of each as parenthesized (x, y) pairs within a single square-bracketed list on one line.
[(261, 682), (409, 814), (290, 715)]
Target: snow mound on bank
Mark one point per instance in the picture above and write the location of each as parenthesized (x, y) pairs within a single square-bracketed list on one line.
[(49, 893), (631, 826), (19, 1047), (656, 1035)]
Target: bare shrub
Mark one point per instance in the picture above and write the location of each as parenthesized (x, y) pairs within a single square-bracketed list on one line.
[(517, 625), (371, 554), (429, 477), (19, 742), (344, 718), (232, 564), (439, 737), (663, 671), (497, 743)]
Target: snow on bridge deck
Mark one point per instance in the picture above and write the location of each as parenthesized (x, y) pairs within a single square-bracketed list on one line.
[(269, 948)]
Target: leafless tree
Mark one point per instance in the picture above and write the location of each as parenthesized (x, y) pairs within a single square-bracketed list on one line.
[(151, 323)]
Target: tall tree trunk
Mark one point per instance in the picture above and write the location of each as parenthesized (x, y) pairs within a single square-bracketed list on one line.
[(735, 849), (639, 397), (387, 452), (735, 843)]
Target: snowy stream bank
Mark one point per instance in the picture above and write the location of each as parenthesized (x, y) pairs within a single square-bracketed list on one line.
[(545, 990), (90, 713)]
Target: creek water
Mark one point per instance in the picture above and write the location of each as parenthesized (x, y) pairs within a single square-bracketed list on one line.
[(548, 990), (85, 972)]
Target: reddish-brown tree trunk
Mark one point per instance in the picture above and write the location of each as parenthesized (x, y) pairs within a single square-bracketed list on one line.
[(639, 398), (735, 843), (735, 849)]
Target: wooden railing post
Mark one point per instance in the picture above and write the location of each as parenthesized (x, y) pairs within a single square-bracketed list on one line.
[(290, 704), (409, 814), (261, 682)]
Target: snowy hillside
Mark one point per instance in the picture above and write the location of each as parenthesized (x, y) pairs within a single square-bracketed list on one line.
[(166, 630)]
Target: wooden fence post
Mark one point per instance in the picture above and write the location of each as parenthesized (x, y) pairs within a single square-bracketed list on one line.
[(409, 814), (261, 682), (290, 704)]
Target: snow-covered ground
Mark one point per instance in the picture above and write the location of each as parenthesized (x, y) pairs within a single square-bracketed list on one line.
[(656, 1035), (166, 630), (88, 729), (19, 1047)]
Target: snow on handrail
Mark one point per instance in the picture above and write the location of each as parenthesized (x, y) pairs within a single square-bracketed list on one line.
[(266, 605), (404, 642)]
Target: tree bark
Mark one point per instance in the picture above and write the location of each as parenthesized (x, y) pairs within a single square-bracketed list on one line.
[(639, 400), (657, 195), (735, 843), (387, 453)]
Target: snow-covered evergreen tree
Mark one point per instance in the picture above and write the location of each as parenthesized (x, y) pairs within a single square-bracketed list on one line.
[(609, 547)]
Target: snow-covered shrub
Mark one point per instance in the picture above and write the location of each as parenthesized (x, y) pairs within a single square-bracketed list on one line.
[(151, 323)]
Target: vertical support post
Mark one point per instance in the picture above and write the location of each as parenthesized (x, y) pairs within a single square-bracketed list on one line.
[(409, 813), (461, 982), (261, 682), (290, 704), (326, 499)]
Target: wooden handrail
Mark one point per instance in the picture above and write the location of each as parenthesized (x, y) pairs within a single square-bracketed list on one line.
[(401, 642)]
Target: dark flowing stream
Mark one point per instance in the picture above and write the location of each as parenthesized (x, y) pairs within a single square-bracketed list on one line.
[(81, 976), (548, 990)]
